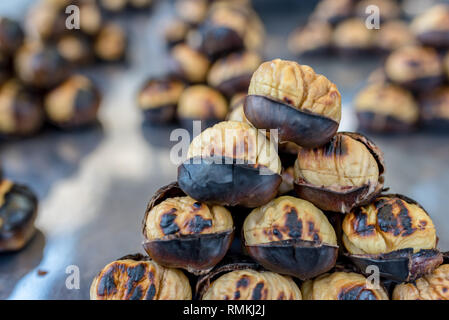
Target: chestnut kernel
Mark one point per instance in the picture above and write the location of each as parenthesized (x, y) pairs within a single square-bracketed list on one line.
[(111, 43), (303, 106), (344, 173), (188, 63), (181, 232), (136, 277)]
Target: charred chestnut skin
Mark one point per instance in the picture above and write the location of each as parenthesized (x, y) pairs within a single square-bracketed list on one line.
[(17, 215), (214, 181), (344, 201), (197, 253), (301, 127)]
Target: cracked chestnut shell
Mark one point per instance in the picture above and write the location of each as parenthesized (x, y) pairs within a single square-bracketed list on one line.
[(341, 175), (11, 36), (291, 236), (158, 99), (188, 63), (18, 210), (434, 286), (304, 106), (136, 277), (435, 109), (395, 234), (21, 111), (231, 164), (74, 103), (432, 27), (181, 232), (341, 286), (386, 108), (244, 280)]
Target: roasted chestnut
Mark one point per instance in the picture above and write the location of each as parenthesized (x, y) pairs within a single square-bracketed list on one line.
[(291, 236), (351, 37), (435, 109), (75, 48), (303, 106), (393, 35), (188, 63), (74, 103), (192, 11), (333, 11), (313, 38), (237, 114), (431, 27), (40, 66), (201, 103), (21, 111), (385, 108), (111, 43), (113, 5), (434, 286), (395, 234), (231, 164), (415, 67), (176, 32), (45, 20), (158, 99), (140, 4), (91, 19), (181, 232), (232, 74), (341, 286), (18, 210), (136, 277), (388, 9), (11, 36), (341, 175)]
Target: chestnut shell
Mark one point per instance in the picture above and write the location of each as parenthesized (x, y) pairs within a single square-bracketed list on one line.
[(345, 200), (228, 184), (219, 40), (235, 85), (298, 258), (304, 128), (197, 254)]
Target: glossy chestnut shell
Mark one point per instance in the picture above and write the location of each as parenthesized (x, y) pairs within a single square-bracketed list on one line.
[(197, 252)]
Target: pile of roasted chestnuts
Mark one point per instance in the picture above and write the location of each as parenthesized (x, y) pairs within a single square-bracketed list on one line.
[(235, 227)]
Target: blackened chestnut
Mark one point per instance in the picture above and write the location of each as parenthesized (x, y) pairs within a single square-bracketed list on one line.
[(395, 234), (313, 38), (232, 73), (18, 210), (431, 27), (435, 109), (415, 67), (158, 99), (291, 236), (333, 11), (434, 286), (21, 111), (111, 43), (351, 37), (181, 232), (386, 108), (11, 36), (341, 175), (231, 164), (189, 63), (303, 106), (341, 286), (74, 103), (136, 277)]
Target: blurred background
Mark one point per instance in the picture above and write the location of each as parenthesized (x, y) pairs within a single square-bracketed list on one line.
[(94, 174)]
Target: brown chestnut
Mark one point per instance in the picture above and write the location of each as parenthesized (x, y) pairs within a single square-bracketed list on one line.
[(435, 109), (431, 27), (303, 106), (291, 236), (386, 108), (18, 210), (313, 38), (231, 164), (113, 5), (188, 63), (176, 32), (395, 234), (181, 232), (111, 43), (74, 103), (136, 277), (192, 11), (11, 36), (21, 111), (433, 286), (75, 48), (45, 21), (341, 286), (341, 175), (393, 35), (158, 99), (351, 37)]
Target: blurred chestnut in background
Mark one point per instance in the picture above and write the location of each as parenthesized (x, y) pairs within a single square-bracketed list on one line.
[(18, 210), (291, 236), (435, 109), (192, 11), (136, 277), (236, 106), (232, 74), (351, 37), (333, 11), (431, 27), (386, 108), (111, 43), (113, 5), (45, 21), (313, 38), (395, 234), (73, 104), (181, 232), (189, 63), (304, 106), (231, 164), (341, 286), (158, 99), (11, 36), (75, 49), (21, 111), (393, 35), (175, 32), (341, 175)]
